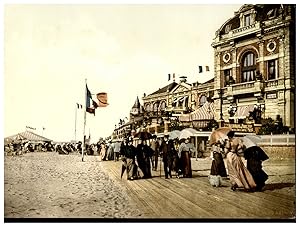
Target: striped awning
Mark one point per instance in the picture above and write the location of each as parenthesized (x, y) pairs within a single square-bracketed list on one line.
[(243, 111), (205, 112)]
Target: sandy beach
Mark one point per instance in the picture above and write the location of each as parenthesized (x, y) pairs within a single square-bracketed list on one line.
[(48, 185)]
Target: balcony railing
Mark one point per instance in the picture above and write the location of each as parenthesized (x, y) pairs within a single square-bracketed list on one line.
[(274, 83), (241, 88), (243, 28)]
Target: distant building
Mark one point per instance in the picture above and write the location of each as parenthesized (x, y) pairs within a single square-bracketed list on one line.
[(172, 106), (254, 67)]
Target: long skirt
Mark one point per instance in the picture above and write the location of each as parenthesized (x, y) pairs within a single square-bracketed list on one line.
[(217, 165), (186, 164), (131, 168), (238, 174), (255, 168)]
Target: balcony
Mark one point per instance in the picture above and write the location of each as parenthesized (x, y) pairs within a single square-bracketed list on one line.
[(243, 88), (238, 32), (274, 84)]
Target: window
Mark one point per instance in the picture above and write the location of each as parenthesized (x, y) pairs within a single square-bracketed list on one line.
[(272, 70), (271, 14), (162, 106), (148, 108), (227, 74), (202, 100), (247, 20), (155, 107), (248, 67), (227, 28)]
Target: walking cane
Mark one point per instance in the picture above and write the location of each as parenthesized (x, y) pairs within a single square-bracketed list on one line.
[(160, 166)]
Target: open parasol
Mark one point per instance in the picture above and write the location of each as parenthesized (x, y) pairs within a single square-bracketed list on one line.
[(251, 140), (219, 134), (174, 134), (187, 132)]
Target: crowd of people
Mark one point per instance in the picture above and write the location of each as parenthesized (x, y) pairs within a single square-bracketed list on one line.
[(250, 177), (139, 161)]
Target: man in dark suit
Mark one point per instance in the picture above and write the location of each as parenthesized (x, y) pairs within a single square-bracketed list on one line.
[(167, 150)]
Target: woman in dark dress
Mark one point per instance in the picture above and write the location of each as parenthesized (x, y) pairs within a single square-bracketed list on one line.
[(144, 154), (255, 156), (217, 165), (184, 154)]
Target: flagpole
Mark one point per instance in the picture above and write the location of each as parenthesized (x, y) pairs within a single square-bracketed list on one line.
[(76, 107), (84, 121)]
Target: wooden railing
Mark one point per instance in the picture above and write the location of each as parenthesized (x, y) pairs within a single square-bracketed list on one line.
[(281, 140)]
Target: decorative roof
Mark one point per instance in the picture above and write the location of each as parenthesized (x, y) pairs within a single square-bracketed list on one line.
[(263, 12), (137, 103), (169, 87)]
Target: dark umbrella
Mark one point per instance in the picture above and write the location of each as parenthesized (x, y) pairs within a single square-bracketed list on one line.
[(143, 135), (124, 166), (255, 152)]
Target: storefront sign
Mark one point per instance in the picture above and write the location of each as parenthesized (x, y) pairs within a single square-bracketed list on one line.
[(240, 127), (272, 96)]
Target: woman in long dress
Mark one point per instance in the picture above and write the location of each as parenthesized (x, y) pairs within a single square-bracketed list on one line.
[(184, 153), (217, 165), (144, 153), (102, 152), (255, 156), (239, 175)]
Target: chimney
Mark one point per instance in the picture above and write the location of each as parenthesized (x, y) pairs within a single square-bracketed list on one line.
[(182, 79), (173, 77)]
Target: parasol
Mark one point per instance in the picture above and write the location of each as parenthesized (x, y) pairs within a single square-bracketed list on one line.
[(219, 134), (187, 132), (251, 140), (174, 134)]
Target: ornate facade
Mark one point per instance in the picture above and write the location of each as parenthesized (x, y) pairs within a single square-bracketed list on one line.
[(254, 65)]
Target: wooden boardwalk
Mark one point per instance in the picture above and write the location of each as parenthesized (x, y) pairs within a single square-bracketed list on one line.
[(195, 198)]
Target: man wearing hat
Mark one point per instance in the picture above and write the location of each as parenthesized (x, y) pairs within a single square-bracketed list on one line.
[(167, 150)]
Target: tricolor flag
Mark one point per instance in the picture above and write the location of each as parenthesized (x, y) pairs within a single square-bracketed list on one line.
[(90, 103), (201, 69), (102, 98)]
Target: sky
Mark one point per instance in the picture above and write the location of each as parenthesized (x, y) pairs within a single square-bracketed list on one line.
[(124, 50)]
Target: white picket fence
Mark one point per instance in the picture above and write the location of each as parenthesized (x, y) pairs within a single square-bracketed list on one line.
[(278, 140)]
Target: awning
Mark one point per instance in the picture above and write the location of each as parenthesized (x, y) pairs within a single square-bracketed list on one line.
[(205, 112), (243, 111)]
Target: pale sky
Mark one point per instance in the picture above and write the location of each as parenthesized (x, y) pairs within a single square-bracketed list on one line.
[(124, 50)]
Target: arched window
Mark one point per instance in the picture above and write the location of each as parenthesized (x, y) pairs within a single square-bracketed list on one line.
[(162, 106), (202, 100), (148, 108), (248, 67), (155, 107)]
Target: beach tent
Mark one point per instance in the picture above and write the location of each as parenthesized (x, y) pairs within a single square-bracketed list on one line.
[(26, 136)]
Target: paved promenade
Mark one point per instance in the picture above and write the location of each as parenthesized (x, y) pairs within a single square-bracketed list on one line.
[(39, 185)]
